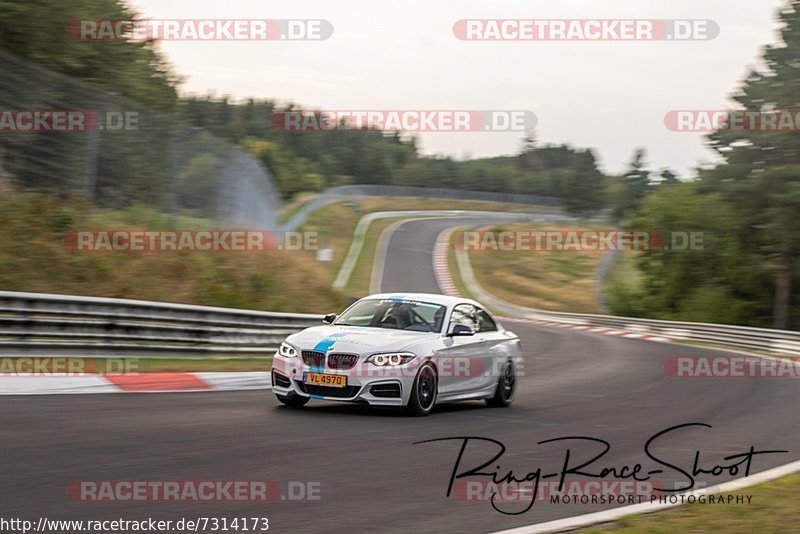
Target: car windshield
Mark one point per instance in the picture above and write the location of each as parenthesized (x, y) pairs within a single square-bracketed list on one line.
[(392, 313)]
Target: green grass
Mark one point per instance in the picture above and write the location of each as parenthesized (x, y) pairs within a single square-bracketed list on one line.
[(34, 257), (624, 285), (548, 280), (334, 225), (773, 508)]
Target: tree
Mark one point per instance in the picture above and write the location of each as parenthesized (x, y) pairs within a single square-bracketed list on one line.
[(666, 177), (761, 173), (714, 282), (37, 31), (628, 190), (584, 185), (198, 182)]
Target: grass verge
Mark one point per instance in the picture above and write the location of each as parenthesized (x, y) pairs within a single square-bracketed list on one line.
[(548, 280), (35, 258), (773, 508)]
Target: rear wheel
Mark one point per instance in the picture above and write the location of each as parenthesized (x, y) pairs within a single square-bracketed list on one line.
[(506, 386), (423, 393), (295, 400)]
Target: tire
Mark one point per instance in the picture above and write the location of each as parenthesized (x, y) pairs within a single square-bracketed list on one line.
[(295, 401), (506, 387), (424, 392)]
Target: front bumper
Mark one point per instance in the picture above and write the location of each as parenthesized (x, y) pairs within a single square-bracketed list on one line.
[(364, 383)]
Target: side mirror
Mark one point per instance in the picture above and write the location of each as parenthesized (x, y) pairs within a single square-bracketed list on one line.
[(461, 330), (328, 319)]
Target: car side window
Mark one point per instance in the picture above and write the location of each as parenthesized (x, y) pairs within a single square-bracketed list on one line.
[(485, 321), (464, 314)]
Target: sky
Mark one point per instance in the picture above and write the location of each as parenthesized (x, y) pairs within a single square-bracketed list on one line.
[(402, 54)]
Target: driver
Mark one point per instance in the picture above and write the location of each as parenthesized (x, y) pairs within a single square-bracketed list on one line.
[(401, 316)]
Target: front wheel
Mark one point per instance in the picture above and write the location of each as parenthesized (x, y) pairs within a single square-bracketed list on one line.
[(295, 400), (506, 386), (423, 393)]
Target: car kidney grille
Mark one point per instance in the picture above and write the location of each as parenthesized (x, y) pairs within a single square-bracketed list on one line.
[(314, 358), (342, 361)]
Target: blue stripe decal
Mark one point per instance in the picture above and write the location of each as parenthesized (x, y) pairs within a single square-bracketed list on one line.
[(326, 343), (317, 397), (317, 370)]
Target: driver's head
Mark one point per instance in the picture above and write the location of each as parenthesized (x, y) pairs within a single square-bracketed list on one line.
[(402, 314)]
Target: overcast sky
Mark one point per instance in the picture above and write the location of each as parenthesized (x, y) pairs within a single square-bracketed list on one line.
[(402, 54)]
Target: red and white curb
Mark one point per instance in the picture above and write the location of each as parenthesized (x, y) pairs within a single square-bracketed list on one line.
[(441, 269), (604, 331), (132, 383)]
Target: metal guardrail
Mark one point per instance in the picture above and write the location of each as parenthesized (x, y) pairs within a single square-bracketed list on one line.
[(350, 191), (759, 340), (63, 325)]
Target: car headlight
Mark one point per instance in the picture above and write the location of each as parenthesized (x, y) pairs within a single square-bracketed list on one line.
[(391, 359), (287, 350)]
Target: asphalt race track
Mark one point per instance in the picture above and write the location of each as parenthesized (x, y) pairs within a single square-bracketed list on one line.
[(372, 477)]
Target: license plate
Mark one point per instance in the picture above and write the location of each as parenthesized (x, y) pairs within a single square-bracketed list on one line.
[(320, 379)]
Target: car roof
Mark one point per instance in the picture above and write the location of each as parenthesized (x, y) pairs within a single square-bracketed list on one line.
[(444, 300)]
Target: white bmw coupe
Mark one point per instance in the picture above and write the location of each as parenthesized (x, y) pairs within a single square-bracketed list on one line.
[(407, 350)]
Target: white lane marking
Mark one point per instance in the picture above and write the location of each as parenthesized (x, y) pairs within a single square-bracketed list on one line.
[(58, 384), (599, 330), (54, 384), (221, 381)]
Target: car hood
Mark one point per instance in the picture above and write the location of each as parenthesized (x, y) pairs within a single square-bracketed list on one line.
[(356, 339)]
